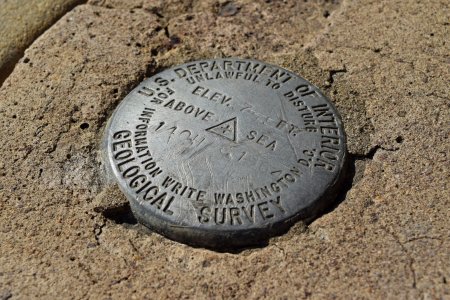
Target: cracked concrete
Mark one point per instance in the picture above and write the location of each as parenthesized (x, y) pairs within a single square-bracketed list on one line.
[(22, 21), (66, 233)]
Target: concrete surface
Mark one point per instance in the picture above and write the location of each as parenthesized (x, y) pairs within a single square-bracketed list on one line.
[(65, 233), (21, 22)]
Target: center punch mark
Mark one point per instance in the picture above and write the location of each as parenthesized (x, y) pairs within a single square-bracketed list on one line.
[(226, 129)]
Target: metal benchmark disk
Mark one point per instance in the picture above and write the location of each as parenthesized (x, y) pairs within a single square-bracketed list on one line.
[(225, 152)]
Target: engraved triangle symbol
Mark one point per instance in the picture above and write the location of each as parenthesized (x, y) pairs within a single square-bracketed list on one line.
[(226, 129)]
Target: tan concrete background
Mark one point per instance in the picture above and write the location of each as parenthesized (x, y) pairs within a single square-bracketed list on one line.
[(66, 234), (21, 22)]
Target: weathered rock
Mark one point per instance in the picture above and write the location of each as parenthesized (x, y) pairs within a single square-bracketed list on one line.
[(21, 22), (384, 64)]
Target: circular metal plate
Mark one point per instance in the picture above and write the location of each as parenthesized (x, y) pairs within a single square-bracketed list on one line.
[(225, 152)]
